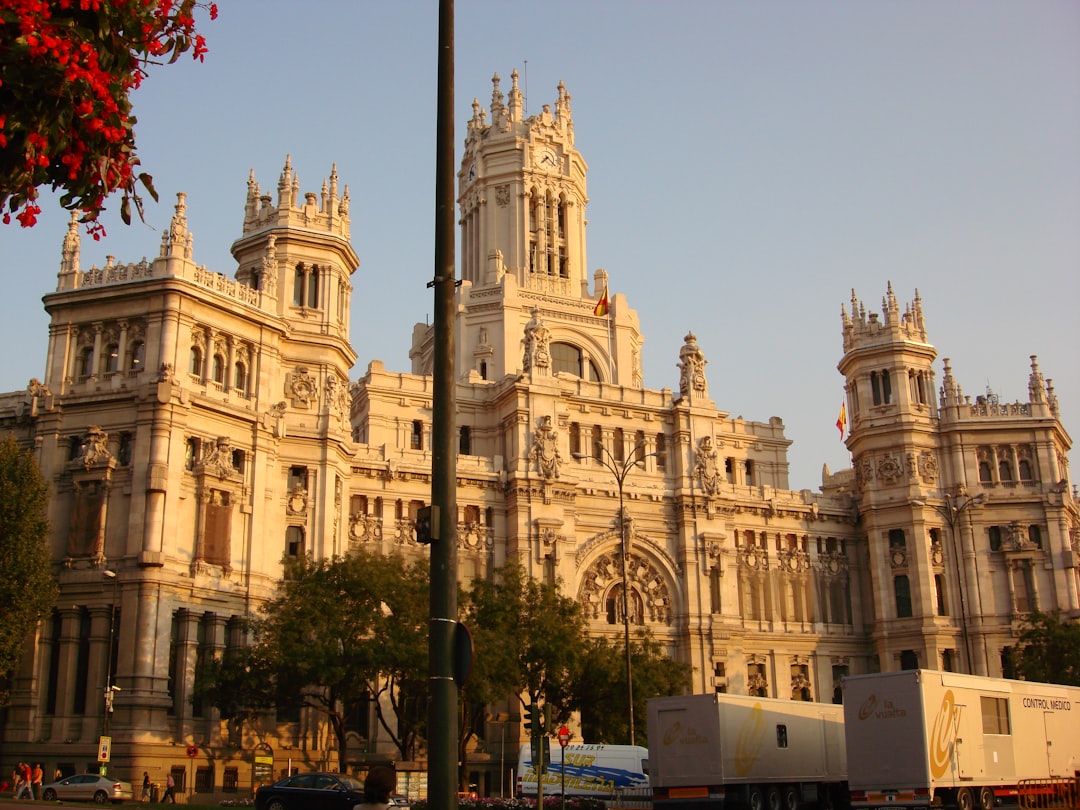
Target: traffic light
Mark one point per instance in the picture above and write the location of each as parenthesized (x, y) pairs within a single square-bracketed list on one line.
[(427, 524), (532, 720)]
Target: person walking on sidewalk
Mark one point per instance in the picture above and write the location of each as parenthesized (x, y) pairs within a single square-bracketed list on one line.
[(170, 790)]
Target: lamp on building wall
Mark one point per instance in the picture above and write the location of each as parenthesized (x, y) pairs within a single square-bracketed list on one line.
[(621, 469), (951, 508)]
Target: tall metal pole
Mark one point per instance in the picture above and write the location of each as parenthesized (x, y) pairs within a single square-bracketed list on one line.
[(443, 709), (626, 605), (951, 512), (108, 693), (620, 471), (952, 515)]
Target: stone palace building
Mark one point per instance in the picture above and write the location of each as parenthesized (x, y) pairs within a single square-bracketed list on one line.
[(198, 425)]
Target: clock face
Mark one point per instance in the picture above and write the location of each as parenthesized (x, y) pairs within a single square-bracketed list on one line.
[(471, 174), (547, 159)]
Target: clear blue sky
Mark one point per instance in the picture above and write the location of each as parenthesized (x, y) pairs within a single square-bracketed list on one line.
[(750, 163)]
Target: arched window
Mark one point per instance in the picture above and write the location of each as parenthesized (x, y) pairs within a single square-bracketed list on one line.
[(137, 355), (240, 378), (568, 358), (195, 361), (112, 358), (1025, 470), (985, 475), (86, 362), (298, 286), (219, 369), (313, 288), (1005, 471)]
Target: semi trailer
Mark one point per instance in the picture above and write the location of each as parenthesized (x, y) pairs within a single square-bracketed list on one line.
[(717, 750), (921, 738)]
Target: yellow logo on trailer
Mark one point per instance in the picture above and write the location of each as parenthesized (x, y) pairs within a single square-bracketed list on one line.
[(943, 734), (748, 743)]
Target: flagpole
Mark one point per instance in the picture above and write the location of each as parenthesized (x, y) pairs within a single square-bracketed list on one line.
[(610, 344)]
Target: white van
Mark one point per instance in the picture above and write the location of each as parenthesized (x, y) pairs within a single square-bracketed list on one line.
[(591, 770)]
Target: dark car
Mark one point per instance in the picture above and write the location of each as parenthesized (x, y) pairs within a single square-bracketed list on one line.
[(311, 791), (88, 787)]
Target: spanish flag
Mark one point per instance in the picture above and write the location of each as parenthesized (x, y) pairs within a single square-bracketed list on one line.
[(841, 420), (601, 307)]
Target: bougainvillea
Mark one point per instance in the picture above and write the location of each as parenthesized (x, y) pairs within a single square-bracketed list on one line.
[(67, 68)]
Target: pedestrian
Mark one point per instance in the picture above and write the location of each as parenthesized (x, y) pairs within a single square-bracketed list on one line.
[(37, 776), (145, 786), (16, 780), (24, 783), (379, 784), (170, 790), (57, 774)]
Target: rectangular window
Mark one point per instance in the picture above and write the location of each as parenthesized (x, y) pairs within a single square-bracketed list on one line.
[(298, 479), (995, 538), (416, 440), (179, 775), (204, 779), (230, 780), (661, 452), (939, 588), (781, 735), (464, 441), (902, 588), (995, 715)]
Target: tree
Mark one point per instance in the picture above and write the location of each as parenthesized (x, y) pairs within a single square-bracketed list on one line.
[(600, 689), (528, 640), (27, 588), (347, 629), (67, 69), (239, 684), (1048, 650)]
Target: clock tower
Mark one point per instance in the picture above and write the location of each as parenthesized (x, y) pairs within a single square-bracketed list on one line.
[(522, 199)]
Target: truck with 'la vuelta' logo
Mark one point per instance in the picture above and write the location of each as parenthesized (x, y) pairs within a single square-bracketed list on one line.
[(718, 750), (921, 738)]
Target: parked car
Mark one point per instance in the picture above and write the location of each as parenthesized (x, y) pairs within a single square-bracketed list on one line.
[(310, 791), (88, 787)]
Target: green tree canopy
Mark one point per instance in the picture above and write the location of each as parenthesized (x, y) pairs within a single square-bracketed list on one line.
[(528, 640), (27, 588), (341, 631), (1049, 650), (600, 688)]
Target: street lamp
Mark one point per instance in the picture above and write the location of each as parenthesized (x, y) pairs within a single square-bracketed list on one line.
[(951, 509), (621, 469)]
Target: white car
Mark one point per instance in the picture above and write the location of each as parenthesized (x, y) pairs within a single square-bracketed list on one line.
[(88, 787)]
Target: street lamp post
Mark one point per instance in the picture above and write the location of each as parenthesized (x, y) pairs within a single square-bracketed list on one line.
[(110, 689), (621, 470), (951, 509)]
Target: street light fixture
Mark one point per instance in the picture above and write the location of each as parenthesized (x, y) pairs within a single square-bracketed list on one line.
[(951, 509), (621, 469)]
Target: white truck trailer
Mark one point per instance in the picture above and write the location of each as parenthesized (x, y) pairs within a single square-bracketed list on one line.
[(712, 751), (921, 738)]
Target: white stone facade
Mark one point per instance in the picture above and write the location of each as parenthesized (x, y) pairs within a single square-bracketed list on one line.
[(198, 425)]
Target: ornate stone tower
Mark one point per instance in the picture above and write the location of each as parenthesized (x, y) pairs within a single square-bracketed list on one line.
[(887, 365), (964, 504), (522, 197)]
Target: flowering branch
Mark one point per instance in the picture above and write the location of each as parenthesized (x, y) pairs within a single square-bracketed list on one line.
[(67, 68)]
